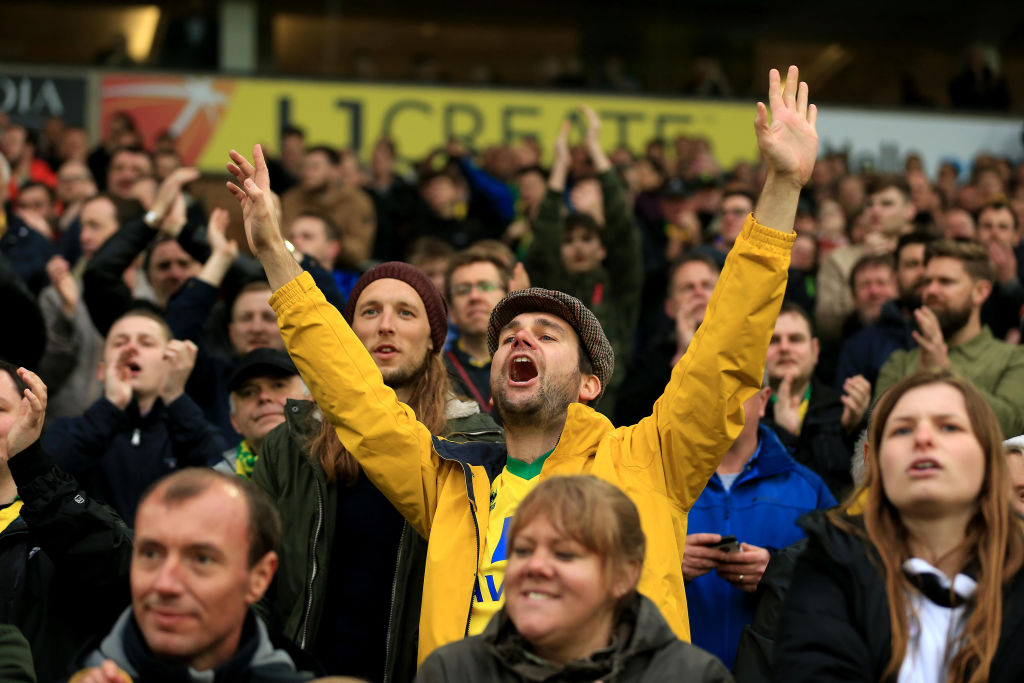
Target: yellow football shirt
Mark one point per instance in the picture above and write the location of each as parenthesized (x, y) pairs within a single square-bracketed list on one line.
[(507, 490)]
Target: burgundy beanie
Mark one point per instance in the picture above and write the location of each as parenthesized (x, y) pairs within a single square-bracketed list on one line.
[(433, 302)]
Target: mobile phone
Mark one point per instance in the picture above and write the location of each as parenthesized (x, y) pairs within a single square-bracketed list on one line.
[(728, 544)]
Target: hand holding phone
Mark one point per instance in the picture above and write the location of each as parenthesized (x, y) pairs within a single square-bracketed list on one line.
[(728, 544)]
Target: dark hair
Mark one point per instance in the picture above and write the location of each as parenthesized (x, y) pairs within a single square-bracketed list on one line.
[(51, 194), (12, 371), (585, 222), (256, 284), (533, 168), (690, 256), (793, 308), (870, 261), (332, 155), (470, 256), (912, 238), (289, 131), (997, 204), (737, 192), (161, 238), (884, 182), (264, 523), (974, 257)]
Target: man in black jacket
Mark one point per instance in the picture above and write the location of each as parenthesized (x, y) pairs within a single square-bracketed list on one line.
[(144, 426), (815, 423), (64, 557)]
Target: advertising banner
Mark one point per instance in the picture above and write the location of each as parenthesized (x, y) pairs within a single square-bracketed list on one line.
[(31, 99), (212, 115)]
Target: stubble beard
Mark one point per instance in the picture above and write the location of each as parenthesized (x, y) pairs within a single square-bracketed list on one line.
[(404, 376), (549, 405)]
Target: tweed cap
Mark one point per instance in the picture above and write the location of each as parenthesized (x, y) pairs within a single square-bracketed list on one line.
[(433, 302), (568, 308)]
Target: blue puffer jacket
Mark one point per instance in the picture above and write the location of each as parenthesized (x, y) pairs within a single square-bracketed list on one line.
[(761, 508)]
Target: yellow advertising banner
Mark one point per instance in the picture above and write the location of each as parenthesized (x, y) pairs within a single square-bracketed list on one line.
[(209, 116)]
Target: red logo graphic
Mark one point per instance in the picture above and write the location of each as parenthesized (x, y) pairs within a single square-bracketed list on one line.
[(189, 107)]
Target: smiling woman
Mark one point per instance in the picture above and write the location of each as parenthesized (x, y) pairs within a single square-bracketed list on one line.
[(927, 583), (571, 610)]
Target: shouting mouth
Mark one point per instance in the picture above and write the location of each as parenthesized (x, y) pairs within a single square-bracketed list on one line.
[(521, 371)]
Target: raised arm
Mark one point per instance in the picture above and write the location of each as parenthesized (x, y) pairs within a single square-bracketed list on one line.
[(543, 259), (394, 449), (700, 414)]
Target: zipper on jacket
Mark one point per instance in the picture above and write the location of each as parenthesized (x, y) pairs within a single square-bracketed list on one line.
[(315, 568), (476, 567), (391, 614)]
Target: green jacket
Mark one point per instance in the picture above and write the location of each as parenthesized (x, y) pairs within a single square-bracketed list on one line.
[(296, 598), (993, 366), (612, 291)]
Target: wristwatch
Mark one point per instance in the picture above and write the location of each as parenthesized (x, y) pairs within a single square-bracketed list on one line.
[(151, 218)]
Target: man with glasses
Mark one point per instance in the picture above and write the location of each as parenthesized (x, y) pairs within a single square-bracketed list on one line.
[(732, 212), (475, 282)]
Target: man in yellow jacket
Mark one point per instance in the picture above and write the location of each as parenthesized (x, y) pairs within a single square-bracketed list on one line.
[(550, 359)]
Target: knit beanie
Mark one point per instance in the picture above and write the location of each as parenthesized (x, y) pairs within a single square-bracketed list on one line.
[(433, 302)]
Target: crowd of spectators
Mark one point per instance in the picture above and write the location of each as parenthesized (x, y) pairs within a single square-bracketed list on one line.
[(156, 341)]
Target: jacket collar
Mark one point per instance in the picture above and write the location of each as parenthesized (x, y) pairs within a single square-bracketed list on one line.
[(640, 628), (974, 348), (770, 458)]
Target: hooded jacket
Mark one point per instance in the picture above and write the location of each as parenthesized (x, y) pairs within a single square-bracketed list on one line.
[(295, 601), (760, 508), (662, 463), (643, 648)]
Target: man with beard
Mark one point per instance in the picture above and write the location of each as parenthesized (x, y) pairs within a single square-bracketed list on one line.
[(866, 351), (958, 279), (550, 359)]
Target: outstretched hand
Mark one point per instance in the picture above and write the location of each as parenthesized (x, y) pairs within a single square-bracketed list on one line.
[(253, 193), (788, 141), (28, 420)]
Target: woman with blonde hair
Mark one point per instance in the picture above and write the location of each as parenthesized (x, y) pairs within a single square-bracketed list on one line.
[(572, 612), (924, 584)]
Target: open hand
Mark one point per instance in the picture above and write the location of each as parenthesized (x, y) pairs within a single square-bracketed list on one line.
[(789, 141), (216, 234), (253, 193), (856, 398), (787, 405), (934, 352), (170, 190), (520, 278), (59, 272), (28, 419)]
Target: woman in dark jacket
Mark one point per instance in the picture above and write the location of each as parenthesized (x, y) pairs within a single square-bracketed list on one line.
[(926, 584), (571, 610)]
